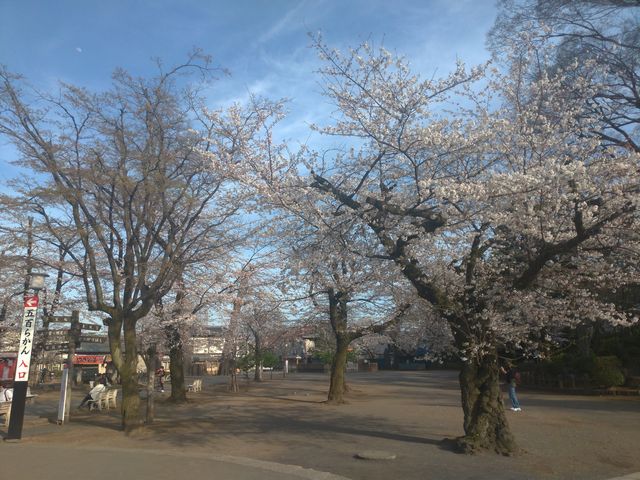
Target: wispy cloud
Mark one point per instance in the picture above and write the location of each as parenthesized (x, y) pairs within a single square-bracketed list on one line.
[(286, 23)]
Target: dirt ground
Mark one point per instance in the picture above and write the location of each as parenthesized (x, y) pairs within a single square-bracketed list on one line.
[(404, 413)]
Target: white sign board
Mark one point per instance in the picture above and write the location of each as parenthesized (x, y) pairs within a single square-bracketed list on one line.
[(26, 338)]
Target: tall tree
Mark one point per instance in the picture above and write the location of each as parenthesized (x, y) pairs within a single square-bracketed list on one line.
[(494, 215), (131, 174), (356, 294)]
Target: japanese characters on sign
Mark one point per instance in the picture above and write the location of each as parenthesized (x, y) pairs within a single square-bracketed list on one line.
[(90, 326), (26, 337)]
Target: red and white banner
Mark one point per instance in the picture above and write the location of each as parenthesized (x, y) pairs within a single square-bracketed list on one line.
[(26, 338)]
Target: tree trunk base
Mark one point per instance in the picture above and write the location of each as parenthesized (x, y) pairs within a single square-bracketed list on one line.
[(142, 432), (335, 401), (177, 400), (136, 430), (485, 424), (470, 445)]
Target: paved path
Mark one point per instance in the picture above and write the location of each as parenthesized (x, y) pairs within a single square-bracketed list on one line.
[(55, 462), (564, 437)]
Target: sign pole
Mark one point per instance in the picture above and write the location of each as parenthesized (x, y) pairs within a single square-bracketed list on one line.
[(21, 379), (74, 340), (63, 404)]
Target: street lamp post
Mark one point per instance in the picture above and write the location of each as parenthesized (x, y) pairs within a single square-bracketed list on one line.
[(21, 379)]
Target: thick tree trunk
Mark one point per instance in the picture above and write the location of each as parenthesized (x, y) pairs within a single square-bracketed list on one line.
[(176, 350), (338, 319), (176, 365), (131, 419), (126, 363), (176, 368), (337, 386), (150, 359), (230, 349), (130, 399), (485, 423)]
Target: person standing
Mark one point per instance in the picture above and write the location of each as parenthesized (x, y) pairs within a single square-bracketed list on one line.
[(513, 379), (160, 375)]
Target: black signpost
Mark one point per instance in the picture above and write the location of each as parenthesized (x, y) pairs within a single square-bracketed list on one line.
[(72, 335), (25, 347)]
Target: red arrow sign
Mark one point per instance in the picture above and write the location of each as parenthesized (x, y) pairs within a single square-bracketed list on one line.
[(30, 301)]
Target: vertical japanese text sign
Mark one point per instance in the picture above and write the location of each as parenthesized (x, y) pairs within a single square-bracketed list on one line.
[(26, 338)]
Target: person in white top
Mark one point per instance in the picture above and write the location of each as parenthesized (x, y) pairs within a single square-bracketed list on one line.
[(6, 394), (93, 394)]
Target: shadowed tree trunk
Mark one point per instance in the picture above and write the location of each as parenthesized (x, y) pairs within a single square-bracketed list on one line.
[(231, 346), (150, 358), (176, 364), (338, 319), (176, 346), (485, 423), (126, 363), (338, 383)]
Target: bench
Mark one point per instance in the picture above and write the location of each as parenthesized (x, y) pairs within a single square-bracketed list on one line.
[(196, 386), (5, 409), (105, 400)]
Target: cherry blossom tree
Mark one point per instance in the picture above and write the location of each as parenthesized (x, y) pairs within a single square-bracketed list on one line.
[(262, 318), (349, 290), (497, 215), (606, 32)]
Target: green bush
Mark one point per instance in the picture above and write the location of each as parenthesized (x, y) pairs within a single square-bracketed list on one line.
[(326, 356), (270, 359), (246, 362), (606, 372)]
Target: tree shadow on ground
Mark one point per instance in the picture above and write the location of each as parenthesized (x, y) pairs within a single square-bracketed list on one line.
[(295, 423)]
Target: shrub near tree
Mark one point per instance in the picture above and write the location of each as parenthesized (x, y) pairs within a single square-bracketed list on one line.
[(606, 372)]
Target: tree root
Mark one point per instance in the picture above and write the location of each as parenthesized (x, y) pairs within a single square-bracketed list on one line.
[(472, 445)]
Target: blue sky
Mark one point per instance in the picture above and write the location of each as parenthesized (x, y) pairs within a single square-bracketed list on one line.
[(264, 44)]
